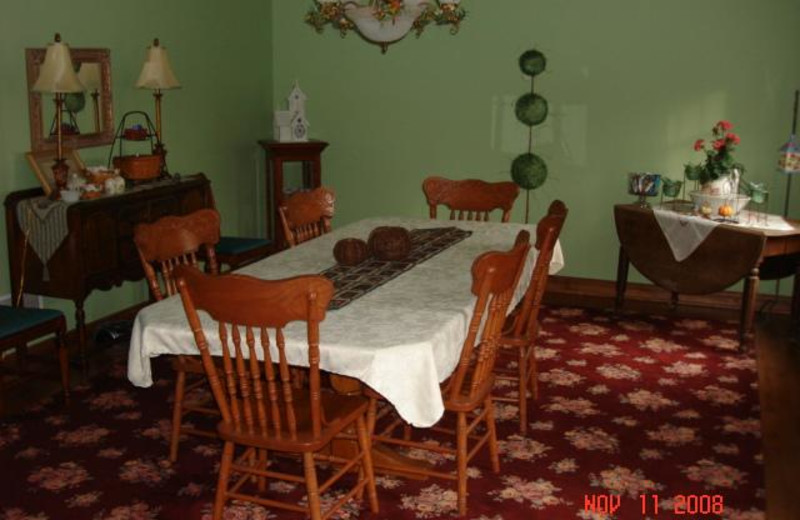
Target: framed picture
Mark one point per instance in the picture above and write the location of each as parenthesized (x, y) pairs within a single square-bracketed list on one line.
[(42, 165)]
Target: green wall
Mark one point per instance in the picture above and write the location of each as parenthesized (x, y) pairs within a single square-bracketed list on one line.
[(222, 57), (631, 85)]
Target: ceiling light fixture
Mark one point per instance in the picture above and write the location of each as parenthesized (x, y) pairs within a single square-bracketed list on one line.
[(384, 22)]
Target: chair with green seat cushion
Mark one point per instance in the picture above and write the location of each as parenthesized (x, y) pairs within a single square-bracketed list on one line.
[(19, 325), (236, 252)]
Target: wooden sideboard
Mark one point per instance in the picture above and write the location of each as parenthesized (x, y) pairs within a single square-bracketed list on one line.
[(98, 252)]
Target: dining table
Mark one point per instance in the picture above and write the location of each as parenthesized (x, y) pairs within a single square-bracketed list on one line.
[(402, 337)]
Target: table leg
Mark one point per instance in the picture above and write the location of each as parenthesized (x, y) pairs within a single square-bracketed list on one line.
[(794, 317), (748, 305), (80, 325), (383, 457), (622, 278)]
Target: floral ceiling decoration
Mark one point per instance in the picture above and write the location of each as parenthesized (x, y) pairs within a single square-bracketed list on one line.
[(384, 22)]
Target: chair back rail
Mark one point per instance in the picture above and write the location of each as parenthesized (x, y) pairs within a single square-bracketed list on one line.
[(470, 199), (495, 276), (548, 229), (176, 240), (255, 391), (307, 214)]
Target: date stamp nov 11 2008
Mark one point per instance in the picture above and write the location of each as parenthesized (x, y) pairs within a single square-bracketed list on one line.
[(652, 505)]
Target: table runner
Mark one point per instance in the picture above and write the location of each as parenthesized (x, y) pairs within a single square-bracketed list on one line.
[(44, 223), (353, 282)]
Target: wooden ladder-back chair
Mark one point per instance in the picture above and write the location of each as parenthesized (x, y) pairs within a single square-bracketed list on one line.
[(162, 246), (522, 327), (470, 199), (262, 407), (467, 392), (307, 214)]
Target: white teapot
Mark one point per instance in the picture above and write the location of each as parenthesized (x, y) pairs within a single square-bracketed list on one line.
[(114, 185)]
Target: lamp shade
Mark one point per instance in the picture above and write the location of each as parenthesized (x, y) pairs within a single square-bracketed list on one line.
[(156, 72), (57, 75), (89, 75)]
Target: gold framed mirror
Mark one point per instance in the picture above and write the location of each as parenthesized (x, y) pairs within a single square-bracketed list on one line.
[(88, 116)]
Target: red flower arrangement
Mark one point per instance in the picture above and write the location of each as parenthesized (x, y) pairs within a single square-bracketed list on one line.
[(719, 159)]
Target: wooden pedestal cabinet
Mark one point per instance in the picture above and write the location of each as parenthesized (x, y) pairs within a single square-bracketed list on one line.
[(309, 155)]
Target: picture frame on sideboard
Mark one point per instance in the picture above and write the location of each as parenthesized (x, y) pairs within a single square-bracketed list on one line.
[(42, 165)]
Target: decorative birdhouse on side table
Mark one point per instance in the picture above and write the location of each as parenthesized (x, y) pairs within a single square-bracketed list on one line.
[(789, 161), (291, 125)]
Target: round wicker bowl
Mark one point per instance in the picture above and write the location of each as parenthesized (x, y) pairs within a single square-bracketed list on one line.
[(350, 251), (390, 243)]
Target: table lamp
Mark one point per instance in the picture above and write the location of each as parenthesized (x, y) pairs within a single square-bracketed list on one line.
[(157, 75), (89, 76), (57, 76)]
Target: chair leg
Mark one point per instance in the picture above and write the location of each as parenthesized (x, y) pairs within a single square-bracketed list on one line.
[(533, 373), (222, 480), (366, 448), (262, 461), (312, 487), (494, 452), (63, 362), (522, 389), (2, 400), (372, 414), (461, 461), (177, 415)]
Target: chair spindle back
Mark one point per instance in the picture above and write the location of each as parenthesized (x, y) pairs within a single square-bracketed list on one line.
[(254, 392), (548, 229), (307, 214), (495, 275), (176, 240), (470, 199)]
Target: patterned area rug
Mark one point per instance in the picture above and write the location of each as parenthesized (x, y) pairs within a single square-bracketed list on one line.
[(630, 406)]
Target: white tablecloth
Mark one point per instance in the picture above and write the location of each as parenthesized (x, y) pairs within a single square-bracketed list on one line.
[(402, 339)]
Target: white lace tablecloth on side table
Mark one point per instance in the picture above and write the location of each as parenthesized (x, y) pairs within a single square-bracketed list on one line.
[(685, 233), (402, 339)]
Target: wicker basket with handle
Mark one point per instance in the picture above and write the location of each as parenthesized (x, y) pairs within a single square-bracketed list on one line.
[(139, 167)]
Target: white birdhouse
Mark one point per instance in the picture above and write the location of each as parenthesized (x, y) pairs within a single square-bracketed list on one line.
[(299, 128), (291, 125), (297, 100)]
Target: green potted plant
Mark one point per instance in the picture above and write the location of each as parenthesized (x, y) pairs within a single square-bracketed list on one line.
[(719, 173)]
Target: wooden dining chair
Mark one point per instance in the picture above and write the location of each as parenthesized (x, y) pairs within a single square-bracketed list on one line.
[(307, 214), (467, 392), (470, 199), (522, 326), (162, 246), (262, 408)]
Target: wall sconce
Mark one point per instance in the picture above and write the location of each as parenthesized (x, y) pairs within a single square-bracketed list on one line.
[(157, 75), (384, 22), (57, 76)]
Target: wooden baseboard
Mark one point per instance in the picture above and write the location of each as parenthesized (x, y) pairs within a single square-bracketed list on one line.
[(568, 287)]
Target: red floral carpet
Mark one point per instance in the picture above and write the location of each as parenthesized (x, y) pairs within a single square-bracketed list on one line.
[(629, 406)]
